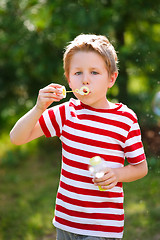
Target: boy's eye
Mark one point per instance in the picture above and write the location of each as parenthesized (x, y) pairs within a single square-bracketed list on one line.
[(78, 73), (94, 72)]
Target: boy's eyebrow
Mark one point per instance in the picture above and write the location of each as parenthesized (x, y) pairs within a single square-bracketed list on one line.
[(94, 67), (89, 68), (77, 67)]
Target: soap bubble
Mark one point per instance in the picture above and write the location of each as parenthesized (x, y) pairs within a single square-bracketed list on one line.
[(156, 104)]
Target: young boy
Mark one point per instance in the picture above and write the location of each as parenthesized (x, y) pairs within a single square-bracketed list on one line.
[(89, 126)]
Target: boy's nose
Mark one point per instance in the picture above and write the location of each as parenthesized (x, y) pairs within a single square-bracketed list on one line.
[(86, 80)]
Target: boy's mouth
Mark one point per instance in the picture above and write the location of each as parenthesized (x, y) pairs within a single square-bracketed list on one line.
[(84, 90)]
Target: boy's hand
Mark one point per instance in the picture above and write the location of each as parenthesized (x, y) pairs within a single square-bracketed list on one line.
[(108, 181), (48, 95)]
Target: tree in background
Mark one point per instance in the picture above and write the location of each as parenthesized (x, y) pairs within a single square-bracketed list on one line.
[(33, 34)]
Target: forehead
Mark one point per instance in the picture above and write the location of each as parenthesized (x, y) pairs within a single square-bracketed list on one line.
[(87, 59)]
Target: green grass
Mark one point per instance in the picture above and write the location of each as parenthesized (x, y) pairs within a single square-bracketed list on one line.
[(27, 195), (142, 208), (28, 185)]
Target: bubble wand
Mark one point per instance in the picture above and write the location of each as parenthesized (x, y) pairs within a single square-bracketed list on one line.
[(82, 91)]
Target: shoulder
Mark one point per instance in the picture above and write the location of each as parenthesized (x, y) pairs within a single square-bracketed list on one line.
[(124, 110)]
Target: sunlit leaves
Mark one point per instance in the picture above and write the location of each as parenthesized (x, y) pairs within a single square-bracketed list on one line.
[(33, 34)]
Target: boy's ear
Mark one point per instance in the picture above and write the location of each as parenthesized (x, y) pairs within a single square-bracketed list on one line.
[(113, 78), (67, 78), (69, 83)]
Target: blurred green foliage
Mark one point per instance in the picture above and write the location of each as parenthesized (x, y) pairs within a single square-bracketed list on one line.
[(33, 34)]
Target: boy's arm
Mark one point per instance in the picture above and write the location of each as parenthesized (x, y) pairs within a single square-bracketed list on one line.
[(28, 128), (131, 173), (128, 173)]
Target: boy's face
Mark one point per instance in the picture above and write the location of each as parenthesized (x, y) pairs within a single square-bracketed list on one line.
[(89, 69)]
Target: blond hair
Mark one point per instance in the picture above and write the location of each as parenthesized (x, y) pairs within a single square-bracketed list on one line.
[(95, 43)]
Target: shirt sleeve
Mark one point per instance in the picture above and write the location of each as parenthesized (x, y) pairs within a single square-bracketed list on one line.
[(52, 121), (134, 150)]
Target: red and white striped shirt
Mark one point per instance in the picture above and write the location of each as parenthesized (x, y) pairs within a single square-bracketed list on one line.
[(85, 132)]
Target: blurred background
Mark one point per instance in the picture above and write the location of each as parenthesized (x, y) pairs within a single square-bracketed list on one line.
[(33, 34)]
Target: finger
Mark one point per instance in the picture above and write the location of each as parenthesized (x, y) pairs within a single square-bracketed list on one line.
[(51, 90), (55, 85), (52, 95), (104, 178), (106, 182), (46, 99), (109, 186)]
